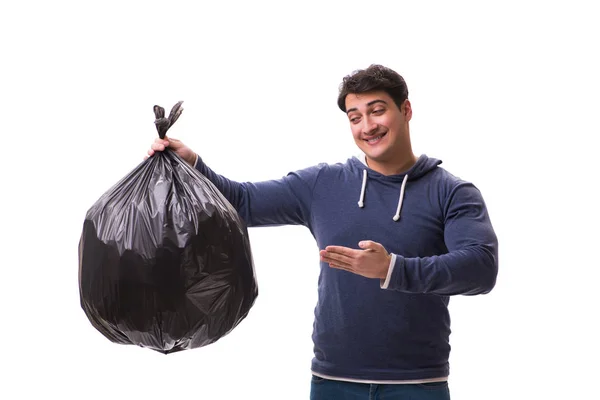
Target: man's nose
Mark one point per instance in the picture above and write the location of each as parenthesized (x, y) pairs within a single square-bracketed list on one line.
[(369, 126)]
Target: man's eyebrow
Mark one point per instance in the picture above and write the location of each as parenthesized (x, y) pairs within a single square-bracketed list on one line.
[(368, 104)]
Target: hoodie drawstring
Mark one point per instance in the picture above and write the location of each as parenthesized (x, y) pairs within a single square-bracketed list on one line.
[(397, 216), (361, 202)]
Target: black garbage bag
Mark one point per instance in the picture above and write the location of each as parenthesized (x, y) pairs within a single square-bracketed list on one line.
[(164, 259)]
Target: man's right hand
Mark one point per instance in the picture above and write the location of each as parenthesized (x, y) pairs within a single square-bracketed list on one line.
[(176, 145)]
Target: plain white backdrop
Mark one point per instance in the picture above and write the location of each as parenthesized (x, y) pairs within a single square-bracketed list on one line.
[(505, 93)]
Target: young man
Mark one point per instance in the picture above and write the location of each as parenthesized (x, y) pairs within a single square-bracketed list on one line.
[(398, 235)]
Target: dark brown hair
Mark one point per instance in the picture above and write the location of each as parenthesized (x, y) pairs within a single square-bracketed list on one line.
[(376, 77)]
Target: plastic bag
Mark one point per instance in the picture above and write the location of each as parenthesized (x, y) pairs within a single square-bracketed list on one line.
[(164, 259)]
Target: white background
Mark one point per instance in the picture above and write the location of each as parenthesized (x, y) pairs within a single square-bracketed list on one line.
[(505, 93)]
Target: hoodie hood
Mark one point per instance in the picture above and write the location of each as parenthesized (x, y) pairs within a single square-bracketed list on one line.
[(423, 166)]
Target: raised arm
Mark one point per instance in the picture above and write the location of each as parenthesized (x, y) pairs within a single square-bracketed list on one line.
[(284, 201)]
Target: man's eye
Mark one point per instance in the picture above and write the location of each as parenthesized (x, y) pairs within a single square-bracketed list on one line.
[(378, 111), (354, 120)]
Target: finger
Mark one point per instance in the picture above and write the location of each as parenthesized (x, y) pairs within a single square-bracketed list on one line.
[(150, 153), (329, 260), (158, 146), (342, 250), (337, 257)]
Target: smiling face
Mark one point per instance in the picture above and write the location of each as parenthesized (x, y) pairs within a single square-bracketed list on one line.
[(380, 128)]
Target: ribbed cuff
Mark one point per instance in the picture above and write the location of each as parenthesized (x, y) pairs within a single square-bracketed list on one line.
[(385, 283)]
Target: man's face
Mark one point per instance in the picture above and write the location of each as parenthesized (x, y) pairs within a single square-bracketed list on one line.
[(379, 128)]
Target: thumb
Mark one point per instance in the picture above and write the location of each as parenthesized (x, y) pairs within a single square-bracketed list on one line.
[(369, 245), (173, 143)]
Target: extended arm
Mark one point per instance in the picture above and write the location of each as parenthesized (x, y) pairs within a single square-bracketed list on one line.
[(284, 201)]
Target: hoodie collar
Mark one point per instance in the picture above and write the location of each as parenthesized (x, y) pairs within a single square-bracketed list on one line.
[(423, 165)]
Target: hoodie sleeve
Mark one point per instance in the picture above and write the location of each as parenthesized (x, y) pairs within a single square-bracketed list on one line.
[(286, 201), (471, 265)]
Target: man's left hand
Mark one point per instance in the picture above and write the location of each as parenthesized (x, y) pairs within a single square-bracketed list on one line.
[(373, 261)]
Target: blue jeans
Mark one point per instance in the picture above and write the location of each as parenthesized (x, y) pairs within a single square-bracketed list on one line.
[(325, 389)]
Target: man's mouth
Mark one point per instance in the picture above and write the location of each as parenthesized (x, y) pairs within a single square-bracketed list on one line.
[(375, 139)]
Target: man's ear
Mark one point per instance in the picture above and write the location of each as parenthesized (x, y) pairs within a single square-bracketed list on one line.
[(406, 109)]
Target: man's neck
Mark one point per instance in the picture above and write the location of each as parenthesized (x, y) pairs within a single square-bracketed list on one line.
[(395, 167)]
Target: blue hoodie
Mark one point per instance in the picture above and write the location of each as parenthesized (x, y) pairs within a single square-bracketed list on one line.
[(435, 226)]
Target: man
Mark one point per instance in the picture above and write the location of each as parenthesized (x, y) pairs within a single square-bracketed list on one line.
[(398, 235)]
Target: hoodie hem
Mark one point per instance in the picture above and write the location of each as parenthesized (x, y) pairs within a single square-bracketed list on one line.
[(383, 376)]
